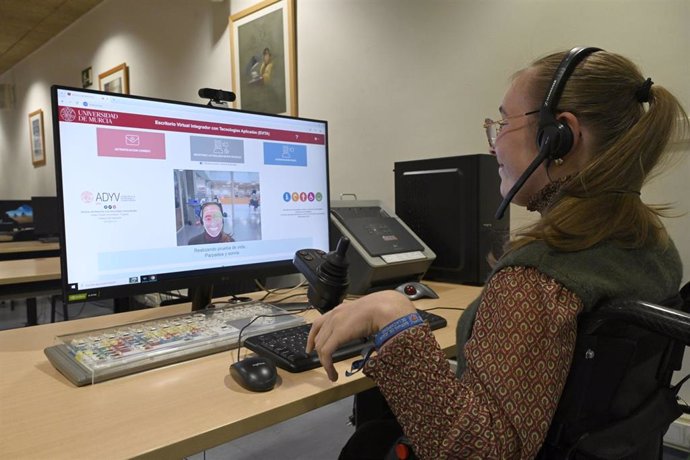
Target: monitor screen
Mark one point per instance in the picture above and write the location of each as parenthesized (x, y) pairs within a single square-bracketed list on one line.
[(161, 195), (46, 216), (15, 214)]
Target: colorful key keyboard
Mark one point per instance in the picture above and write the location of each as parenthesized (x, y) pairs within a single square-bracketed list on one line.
[(97, 355)]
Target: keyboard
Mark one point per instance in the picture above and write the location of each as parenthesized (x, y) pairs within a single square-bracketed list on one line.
[(97, 355), (286, 347)]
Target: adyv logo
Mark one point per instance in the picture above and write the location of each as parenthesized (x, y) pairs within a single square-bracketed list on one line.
[(99, 197), (88, 197), (107, 197)]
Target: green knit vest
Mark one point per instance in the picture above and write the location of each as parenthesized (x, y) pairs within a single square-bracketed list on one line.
[(603, 272)]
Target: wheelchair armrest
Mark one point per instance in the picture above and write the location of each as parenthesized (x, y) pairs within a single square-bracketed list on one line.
[(668, 322)]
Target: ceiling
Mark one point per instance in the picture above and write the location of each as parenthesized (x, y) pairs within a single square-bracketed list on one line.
[(25, 25)]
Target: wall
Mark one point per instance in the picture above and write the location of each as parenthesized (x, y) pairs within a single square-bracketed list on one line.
[(172, 48), (407, 79), (396, 79)]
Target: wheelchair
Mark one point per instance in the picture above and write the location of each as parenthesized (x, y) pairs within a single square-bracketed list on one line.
[(618, 400)]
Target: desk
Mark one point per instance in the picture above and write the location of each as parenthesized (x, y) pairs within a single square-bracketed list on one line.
[(14, 250), (27, 277), (168, 412)]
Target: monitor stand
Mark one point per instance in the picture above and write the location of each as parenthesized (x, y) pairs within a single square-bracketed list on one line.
[(201, 296), (121, 304)]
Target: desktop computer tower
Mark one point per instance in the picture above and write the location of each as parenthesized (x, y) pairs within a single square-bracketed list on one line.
[(450, 204)]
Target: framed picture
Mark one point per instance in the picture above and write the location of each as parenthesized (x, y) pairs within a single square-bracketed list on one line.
[(264, 68), (37, 138), (115, 80), (86, 79)]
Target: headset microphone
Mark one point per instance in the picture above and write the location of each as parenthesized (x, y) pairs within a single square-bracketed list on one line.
[(554, 138), (543, 154)]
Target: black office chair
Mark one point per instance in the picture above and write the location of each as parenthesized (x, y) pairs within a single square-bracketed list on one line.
[(618, 401)]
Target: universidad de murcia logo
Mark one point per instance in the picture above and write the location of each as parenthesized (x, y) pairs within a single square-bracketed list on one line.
[(67, 114)]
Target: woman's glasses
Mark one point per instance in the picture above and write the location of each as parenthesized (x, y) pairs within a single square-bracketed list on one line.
[(493, 128)]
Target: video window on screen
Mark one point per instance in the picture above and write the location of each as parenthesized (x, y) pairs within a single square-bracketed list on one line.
[(231, 201)]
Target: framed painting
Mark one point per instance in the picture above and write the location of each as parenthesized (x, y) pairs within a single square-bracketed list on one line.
[(115, 80), (86, 79), (264, 69), (37, 138)]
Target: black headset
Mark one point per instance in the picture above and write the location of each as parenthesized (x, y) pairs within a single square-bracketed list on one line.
[(554, 138), (557, 135)]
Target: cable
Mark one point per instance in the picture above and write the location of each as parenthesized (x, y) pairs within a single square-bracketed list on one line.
[(282, 299), (445, 308), (95, 304), (275, 291), (234, 300), (83, 306), (173, 295)]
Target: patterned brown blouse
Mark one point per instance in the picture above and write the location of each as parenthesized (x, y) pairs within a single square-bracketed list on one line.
[(518, 359)]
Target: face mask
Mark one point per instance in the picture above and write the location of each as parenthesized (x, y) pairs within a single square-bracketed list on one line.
[(213, 226)]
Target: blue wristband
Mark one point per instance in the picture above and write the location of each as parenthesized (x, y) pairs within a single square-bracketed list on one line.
[(397, 326)]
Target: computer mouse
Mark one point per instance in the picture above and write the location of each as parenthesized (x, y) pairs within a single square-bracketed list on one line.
[(255, 373), (415, 290)]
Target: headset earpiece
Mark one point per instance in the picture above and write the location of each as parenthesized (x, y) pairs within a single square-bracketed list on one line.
[(558, 133)]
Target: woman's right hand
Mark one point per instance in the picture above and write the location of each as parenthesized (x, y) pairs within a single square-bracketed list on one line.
[(353, 320)]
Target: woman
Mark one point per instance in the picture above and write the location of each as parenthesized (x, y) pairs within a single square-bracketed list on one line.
[(595, 239), (266, 67)]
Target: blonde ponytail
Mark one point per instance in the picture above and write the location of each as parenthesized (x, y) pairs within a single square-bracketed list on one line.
[(602, 202)]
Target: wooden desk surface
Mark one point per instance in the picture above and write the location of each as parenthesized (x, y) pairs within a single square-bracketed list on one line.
[(29, 270), (27, 246), (168, 412), (16, 250)]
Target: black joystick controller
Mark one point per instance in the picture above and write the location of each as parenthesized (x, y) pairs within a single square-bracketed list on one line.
[(326, 274)]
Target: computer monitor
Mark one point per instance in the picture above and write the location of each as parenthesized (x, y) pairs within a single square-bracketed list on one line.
[(160, 195), (46, 216), (15, 215)]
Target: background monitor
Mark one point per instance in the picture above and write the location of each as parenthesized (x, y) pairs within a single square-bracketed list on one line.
[(160, 195), (46, 216), (15, 215)]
